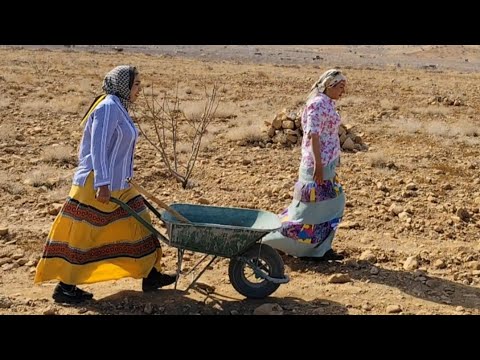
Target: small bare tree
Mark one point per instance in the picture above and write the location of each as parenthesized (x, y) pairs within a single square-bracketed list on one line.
[(172, 127)]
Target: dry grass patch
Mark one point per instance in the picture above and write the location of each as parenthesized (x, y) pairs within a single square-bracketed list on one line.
[(466, 127), (449, 169), (246, 134), (386, 104), (377, 159), (11, 187), (438, 128), (60, 154), (410, 126), (60, 192), (41, 176), (432, 110), (70, 104), (36, 106), (226, 111), (7, 132), (4, 102)]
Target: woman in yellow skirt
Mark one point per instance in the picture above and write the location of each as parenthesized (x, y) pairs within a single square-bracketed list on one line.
[(92, 239)]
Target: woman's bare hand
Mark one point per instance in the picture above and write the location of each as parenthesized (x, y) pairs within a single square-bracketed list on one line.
[(103, 194), (318, 175)]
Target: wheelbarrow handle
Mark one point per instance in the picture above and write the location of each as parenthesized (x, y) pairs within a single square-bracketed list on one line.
[(145, 223), (142, 191)]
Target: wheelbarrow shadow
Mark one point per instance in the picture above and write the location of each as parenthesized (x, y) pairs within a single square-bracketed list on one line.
[(177, 302)]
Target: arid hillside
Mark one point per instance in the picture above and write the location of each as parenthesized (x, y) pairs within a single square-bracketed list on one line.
[(411, 231)]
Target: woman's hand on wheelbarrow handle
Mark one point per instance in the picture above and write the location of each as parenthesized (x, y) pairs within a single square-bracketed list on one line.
[(103, 194)]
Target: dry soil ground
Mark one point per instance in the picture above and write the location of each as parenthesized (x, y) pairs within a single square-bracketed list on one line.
[(411, 231)]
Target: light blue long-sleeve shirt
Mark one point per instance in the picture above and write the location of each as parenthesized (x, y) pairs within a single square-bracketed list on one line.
[(107, 146)]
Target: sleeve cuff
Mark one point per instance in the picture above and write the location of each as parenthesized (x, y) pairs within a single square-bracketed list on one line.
[(96, 185)]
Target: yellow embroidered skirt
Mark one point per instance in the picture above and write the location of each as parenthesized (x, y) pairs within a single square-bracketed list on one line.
[(90, 241)]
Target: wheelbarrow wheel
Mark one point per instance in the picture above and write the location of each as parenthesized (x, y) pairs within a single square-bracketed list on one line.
[(243, 278)]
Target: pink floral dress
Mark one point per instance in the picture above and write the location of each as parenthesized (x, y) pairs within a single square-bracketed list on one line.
[(320, 117)]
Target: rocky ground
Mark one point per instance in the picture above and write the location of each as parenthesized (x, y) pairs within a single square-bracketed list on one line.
[(411, 231)]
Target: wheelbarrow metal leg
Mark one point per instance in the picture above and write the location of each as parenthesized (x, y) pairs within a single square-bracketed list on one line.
[(180, 253), (196, 265), (201, 272)]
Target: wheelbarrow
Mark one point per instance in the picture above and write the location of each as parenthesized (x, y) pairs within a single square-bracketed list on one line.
[(255, 270)]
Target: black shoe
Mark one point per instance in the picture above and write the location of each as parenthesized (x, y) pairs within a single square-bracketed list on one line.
[(64, 293), (332, 255), (156, 280), (329, 255)]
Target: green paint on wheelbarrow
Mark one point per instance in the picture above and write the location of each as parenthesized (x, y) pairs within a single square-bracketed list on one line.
[(221, 231)]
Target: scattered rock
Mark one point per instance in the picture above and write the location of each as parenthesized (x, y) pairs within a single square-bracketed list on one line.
[(5, 302), (411, 263), (369, 256), (394, 309), (339, 279), (268, 309)]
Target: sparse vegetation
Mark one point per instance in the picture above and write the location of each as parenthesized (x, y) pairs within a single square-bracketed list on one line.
[(59, 155), (245, 134), (377, 159), (40, 176), (410, 126), (172, 125), (412, 194), (7, 133), (438, 128)]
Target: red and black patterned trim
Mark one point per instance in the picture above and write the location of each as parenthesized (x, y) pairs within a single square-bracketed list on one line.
[(81, 212), (139, 249)]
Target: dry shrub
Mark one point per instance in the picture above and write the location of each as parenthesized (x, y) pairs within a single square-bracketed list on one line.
[(43, 93), (377, 159), (13, 188), (471, 141), (86, 86), (4, 102), (183, 147), (169, 119), (193, 110), (432, 110), (246, 134), (438, 128), (226, 111), (206, 141), (40, 177), (60, 154), (217, 129), (70, 104), (386, 104), (450, 169), (466, 127), (36, 106), (60, 192), (7, 132), (25, 78), (410, 126)]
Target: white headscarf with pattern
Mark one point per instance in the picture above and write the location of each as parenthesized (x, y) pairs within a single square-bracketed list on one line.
[(119, 82), (329, 78)]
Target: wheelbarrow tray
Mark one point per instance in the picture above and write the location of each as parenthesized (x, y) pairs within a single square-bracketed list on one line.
[(221, 231)]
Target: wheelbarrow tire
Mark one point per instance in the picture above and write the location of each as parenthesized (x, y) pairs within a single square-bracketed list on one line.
[(273, 262)]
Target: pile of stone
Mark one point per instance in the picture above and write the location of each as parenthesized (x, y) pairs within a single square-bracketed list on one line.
[(286, 130), (349, 140)]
